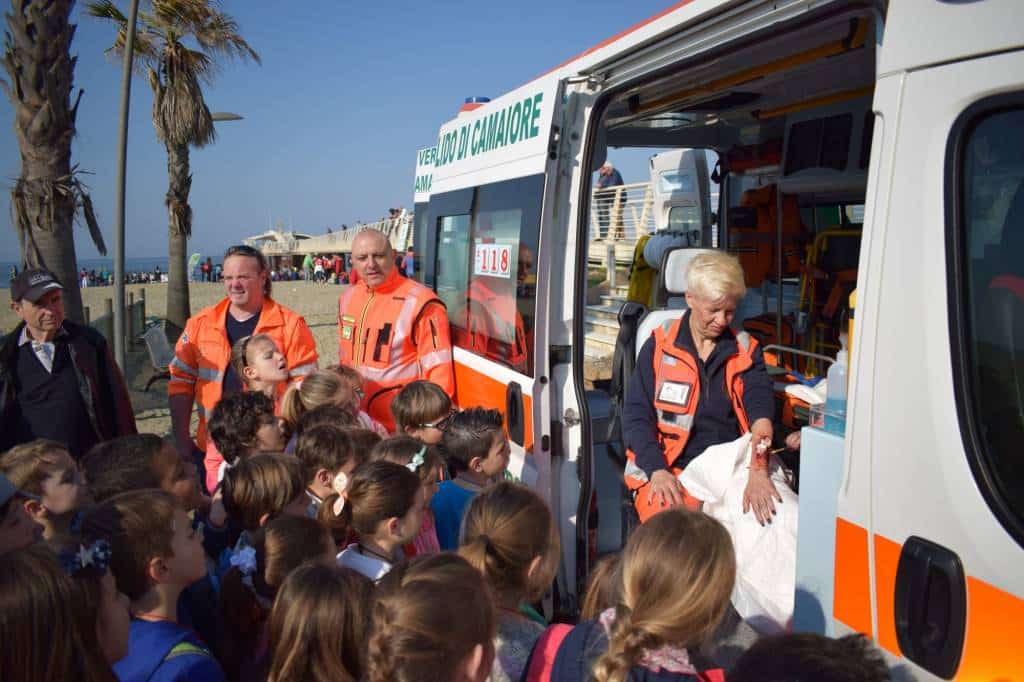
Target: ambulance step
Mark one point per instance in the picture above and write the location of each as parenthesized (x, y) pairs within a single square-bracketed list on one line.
[(608, 312), (602, 341), (613, 299), (601, 326)]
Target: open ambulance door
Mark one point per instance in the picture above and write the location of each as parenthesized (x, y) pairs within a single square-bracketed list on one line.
[(487, 253), (929, 491)]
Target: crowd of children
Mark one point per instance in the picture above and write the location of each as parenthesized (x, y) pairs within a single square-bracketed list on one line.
[(316, 546)]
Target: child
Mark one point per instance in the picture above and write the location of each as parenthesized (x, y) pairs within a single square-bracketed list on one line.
[(319, 625), (322, 387), (364, 440), (330, 414), (603, 588), (423, 461), (259, 364), (251, 584), (145, 461), (61, 620), (477, 452), (157, 552), (677, 574), (422, 410), (433, 622), (384, 507), (17, 529), (45, 470), (803, 657), (328, 460), (353, 383), (263, 487), (137, 462), (241, 424), (510, 537)]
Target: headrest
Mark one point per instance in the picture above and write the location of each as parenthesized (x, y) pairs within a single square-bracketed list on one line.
[(676, 266)]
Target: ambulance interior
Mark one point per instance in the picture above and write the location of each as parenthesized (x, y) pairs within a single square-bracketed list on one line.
[(789, 118)]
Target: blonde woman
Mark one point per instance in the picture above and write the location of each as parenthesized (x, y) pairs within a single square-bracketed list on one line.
[(697, 384)]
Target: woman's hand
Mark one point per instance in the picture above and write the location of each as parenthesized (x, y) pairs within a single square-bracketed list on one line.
[(665, 486), (758, 496)]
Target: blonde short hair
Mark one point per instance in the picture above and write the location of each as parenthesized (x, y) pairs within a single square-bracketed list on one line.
[(714, 276)]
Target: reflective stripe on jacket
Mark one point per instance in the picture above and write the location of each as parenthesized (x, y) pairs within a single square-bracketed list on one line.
[(677, 392), (394, 335), (202, 354)]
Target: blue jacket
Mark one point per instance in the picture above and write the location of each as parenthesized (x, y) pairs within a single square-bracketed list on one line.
[(166, 652), (715, 420)]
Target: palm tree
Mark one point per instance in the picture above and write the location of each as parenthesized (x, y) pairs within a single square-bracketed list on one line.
[(48, 193), (180, 116)]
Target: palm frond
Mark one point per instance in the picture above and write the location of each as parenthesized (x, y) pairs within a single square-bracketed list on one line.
[(219, 35), (145, 49), (105, 9)]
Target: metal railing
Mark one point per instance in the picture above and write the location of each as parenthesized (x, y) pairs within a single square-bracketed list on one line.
[(622, 213), (619, 215)]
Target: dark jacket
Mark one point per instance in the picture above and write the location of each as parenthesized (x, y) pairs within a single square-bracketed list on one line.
[(715, 420), (581, 648), (100, 383)]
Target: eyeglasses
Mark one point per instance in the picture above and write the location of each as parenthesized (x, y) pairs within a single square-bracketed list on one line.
[(441, 424)]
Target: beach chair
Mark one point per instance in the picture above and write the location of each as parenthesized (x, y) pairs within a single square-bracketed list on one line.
[(160, 353)]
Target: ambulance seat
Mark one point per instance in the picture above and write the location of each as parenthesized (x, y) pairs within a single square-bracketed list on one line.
[(671, 289)]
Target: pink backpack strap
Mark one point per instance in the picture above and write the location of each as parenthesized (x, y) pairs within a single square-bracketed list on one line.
[(542, 660), (715, 675)]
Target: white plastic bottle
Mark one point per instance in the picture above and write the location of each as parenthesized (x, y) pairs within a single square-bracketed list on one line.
[(835, 397)]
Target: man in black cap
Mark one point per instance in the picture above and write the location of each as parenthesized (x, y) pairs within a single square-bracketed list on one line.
[(58, 379)]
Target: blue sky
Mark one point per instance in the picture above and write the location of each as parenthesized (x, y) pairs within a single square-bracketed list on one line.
[(333, 117)]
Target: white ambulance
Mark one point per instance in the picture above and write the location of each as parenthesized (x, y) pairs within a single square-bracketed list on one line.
[(907, 116)]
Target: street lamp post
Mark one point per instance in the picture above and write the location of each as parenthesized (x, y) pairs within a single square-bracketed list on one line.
[(122, 160)]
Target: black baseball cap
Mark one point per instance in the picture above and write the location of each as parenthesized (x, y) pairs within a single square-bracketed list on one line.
[(32, 284)]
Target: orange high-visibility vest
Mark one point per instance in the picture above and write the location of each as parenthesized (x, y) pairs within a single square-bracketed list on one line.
[(677, 392), (202, 354), (490, 325), (394, 335)]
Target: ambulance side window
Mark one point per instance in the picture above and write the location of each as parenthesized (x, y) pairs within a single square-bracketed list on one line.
[(486, 275), (985, 191), (451, 263)]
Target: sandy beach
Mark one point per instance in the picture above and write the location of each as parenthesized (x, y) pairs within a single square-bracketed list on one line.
[(317, 303)]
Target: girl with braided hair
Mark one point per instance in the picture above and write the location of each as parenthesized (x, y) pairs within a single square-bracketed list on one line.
[(433, 621), (508, 534), (677, 574)]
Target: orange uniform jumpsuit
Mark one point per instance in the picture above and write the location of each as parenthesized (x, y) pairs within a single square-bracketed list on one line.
[(202, 354), (393, 335)]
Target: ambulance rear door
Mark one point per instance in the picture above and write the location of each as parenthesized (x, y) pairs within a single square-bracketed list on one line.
[(929, 551), (485, 256)]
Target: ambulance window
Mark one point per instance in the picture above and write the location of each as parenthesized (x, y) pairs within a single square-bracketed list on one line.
[(491, 306), (989, 229), (674, 181), (452, 259), (684, 218)]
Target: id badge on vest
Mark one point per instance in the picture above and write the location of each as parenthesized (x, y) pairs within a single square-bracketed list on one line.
[(675, 393)]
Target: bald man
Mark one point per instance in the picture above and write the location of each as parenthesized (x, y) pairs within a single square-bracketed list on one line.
[(392, 330)]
